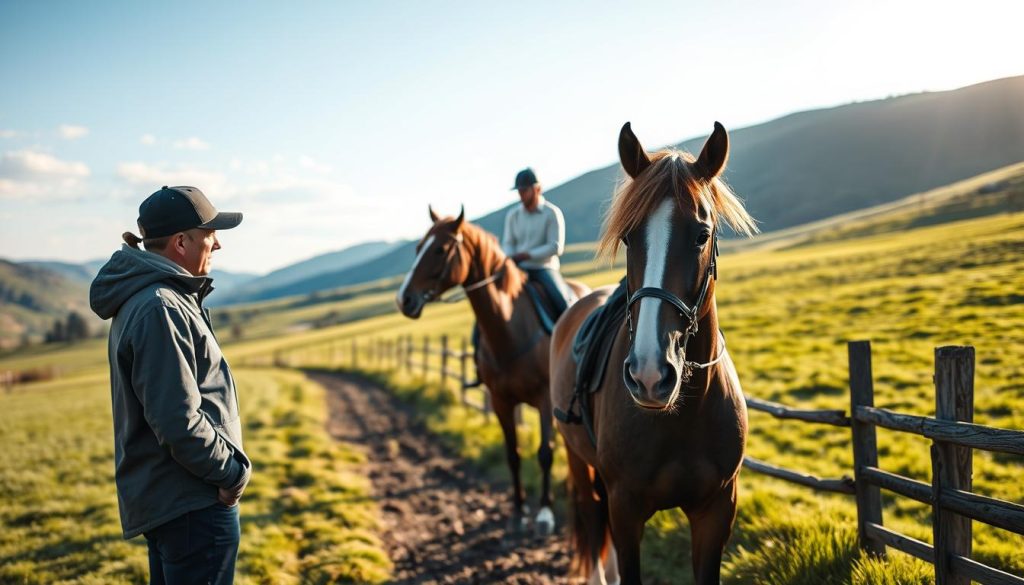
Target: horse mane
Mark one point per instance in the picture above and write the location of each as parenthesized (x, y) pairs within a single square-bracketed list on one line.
[(670, 174), (491, 255)]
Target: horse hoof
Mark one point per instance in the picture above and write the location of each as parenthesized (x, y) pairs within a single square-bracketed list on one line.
[(544, 523), (519, 522)]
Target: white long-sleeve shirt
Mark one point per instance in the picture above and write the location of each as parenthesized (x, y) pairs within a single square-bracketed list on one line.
[(540, 232)]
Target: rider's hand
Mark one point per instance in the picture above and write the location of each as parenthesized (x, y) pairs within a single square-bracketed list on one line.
[(520, 256)]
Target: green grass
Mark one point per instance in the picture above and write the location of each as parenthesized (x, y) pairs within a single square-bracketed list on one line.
[(788, 314), (306, 516)]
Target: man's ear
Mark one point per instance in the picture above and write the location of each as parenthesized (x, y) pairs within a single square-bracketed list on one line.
[(178, 242)]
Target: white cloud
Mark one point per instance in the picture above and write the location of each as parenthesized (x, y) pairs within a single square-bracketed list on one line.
[(4, 133), (150, 176), (191, 143), (147, 139), (70, 132), (29, 173)]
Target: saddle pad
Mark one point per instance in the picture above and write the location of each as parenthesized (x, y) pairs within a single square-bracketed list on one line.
[(593, 342)]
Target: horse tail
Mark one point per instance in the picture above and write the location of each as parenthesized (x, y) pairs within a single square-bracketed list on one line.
[(588, 513)]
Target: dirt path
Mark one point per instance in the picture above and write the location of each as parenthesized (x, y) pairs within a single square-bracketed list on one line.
[(442, 522)]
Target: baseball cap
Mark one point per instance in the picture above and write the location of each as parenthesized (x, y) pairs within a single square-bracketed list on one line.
[(176, 209), (525, 178)]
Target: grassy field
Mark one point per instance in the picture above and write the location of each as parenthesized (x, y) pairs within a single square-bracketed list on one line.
[(306, 516), (788, 313)]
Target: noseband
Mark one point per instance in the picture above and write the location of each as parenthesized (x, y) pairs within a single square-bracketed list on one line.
[(690, 313)]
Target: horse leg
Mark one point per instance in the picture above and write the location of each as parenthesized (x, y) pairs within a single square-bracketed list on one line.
[(505, 411), (545, 521), (627, 524), (710, 527)]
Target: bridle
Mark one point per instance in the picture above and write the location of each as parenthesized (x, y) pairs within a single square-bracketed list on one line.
[(433, 294), (690, 313)]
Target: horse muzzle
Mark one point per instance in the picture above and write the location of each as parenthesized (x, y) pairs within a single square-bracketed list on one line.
[(653, 385), (410, 304)]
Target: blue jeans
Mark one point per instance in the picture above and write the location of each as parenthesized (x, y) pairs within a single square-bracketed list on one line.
[(197, 547), (554, 285)]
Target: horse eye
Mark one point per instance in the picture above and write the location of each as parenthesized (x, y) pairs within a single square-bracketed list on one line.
[(702, 239), (439, 250)]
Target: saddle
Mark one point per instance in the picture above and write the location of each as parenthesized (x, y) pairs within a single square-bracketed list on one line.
[(544, 305), (591, 349)]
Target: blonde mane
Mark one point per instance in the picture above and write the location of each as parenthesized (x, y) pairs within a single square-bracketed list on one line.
[(670, 174)]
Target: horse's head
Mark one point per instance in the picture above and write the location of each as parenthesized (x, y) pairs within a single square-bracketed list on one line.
[(667, 215), (440, 264)]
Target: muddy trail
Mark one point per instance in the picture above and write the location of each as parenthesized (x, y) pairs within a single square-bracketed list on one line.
[(442, 521)]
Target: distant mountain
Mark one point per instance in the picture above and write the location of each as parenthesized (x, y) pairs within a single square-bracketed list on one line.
[(287, 281), (226, 282), (808, 165)]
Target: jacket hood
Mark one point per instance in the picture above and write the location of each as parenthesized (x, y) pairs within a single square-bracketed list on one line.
[(130, 270)]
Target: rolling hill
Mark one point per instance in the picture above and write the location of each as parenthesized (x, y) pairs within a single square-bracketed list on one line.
[(32, 297)]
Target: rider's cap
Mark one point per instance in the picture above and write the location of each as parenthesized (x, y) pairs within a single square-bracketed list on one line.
[(176, 209), (525, 178)]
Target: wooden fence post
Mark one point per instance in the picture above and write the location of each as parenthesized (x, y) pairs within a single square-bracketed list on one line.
[(952, 465), (444, 362), (865, 446), (408, 353), (463, 369), (426, 355)]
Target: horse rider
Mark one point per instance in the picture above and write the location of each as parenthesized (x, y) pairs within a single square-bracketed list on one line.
[(534, 238)]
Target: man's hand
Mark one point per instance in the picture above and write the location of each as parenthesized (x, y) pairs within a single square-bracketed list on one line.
[(228, 497), (520, 256)]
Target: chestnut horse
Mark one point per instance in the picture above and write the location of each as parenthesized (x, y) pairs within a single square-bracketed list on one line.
[(514, 349), (669, 419)]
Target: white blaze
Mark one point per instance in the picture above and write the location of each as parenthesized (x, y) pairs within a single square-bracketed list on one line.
[(659, 231), (416, 262)]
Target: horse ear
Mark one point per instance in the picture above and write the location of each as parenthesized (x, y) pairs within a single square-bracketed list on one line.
[(461, 218), (711, 161), (433, 216), (633, 157)]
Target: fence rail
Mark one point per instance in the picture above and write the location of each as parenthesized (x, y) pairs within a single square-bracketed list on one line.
[(953, 433)]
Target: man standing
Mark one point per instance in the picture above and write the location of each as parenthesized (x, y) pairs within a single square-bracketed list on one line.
[(534, 238), (179, 465)]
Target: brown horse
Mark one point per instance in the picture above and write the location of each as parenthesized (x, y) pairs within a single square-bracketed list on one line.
[(670, 419), (514, 349)]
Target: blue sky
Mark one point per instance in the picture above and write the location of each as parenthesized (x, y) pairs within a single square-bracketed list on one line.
[(332, 123)]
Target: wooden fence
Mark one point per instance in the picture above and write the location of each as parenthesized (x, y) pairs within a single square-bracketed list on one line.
[(426, 357), (952, 431), (954, 436)]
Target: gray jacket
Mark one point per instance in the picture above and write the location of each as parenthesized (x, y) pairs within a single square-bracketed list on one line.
[(177, 435)]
